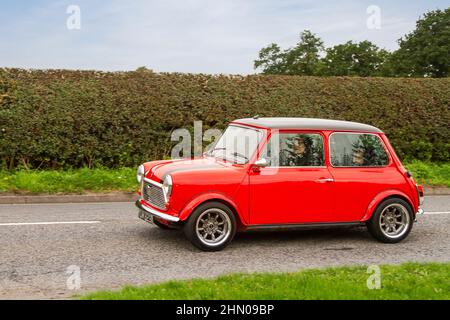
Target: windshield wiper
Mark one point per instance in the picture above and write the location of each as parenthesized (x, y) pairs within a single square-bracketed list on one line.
[(237, 154), (215, 149), (234, 154)]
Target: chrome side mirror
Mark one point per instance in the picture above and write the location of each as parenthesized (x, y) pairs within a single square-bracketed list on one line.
[(262, 163)]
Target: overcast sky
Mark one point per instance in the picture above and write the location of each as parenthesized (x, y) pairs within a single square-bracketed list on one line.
[(208, 36)]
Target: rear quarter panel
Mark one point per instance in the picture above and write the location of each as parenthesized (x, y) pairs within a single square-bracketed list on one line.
[(360, 189), (412, 192)]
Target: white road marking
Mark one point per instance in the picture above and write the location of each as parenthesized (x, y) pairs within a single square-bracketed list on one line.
[(46, 223), (436, 212), (93, 222)]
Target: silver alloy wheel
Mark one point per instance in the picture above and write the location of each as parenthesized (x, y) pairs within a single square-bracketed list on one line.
[(394, 220), (213, 227)]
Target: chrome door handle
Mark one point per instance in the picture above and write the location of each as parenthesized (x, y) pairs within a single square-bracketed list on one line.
[(324, 180)]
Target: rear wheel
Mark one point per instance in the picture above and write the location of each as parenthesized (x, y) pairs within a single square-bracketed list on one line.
[(392, 221), (211, 226)]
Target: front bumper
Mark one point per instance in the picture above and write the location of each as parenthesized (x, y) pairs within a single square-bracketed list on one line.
[(156, 213)]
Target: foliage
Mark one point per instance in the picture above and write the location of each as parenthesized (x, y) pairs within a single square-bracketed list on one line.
[(430, 173), (68, 181), (409, 281), (271, 60), (425, 52), (53, 119), (302, 59), (349, 59), (354, 59)]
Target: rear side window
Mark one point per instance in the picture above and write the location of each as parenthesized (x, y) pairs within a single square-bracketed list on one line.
[(357, 150)]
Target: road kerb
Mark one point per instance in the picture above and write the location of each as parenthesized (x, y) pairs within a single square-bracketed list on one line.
[(123, 197)]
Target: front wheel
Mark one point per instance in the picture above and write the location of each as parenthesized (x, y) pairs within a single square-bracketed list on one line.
[(392, 221), (211, 226)]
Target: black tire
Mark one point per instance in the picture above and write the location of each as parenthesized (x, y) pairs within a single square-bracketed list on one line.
[(377, 225), (196, 221), (161, 225)]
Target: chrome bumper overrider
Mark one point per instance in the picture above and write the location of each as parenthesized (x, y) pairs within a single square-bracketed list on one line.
[(420, 211), (156, 213)]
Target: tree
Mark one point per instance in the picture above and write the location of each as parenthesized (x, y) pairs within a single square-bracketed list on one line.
[(271, 60), (354, 59), (425, 52), (144, 69), (303, 59)]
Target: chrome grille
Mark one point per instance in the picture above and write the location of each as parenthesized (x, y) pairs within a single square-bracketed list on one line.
[(153, 195)]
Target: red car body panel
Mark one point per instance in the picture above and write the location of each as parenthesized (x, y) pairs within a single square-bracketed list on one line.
[(277, 196), (380, 197)]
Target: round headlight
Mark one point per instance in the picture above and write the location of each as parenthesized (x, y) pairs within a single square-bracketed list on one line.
[(140, 173), (167, 186)]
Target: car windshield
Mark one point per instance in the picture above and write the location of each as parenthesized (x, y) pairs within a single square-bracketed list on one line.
[(237, 144)]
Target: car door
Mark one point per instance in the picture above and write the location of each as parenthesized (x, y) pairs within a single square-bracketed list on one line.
[(362, 168), (296, 186)]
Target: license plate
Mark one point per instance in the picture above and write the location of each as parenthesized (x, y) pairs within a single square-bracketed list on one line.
[(144, 215)]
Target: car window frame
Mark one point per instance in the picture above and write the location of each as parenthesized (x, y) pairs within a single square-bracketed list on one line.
[(296, 131), (386, 150), (255, 152)]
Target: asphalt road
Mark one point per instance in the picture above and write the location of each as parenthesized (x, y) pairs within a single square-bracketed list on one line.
[(112, 247)]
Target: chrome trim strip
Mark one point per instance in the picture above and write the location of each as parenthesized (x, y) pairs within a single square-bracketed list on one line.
[(153, 182), (165, 197), (156, 213), (324, 180)]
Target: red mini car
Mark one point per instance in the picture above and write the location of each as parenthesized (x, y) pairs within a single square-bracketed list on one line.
[(288, 172)]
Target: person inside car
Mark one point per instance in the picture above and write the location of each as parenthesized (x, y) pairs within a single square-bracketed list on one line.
[(358, 158), (298, 155)]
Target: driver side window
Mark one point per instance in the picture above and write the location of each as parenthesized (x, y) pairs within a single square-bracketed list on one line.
[(294, 150)]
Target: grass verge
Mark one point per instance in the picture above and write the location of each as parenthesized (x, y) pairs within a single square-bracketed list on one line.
[(70, 181), (124, 179), (431, 174), (406, 281)]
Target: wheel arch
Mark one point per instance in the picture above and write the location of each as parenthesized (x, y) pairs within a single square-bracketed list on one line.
[(382, 196), (211, 197)]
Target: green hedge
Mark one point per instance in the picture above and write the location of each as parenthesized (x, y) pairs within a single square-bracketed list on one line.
[(60, 118)]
